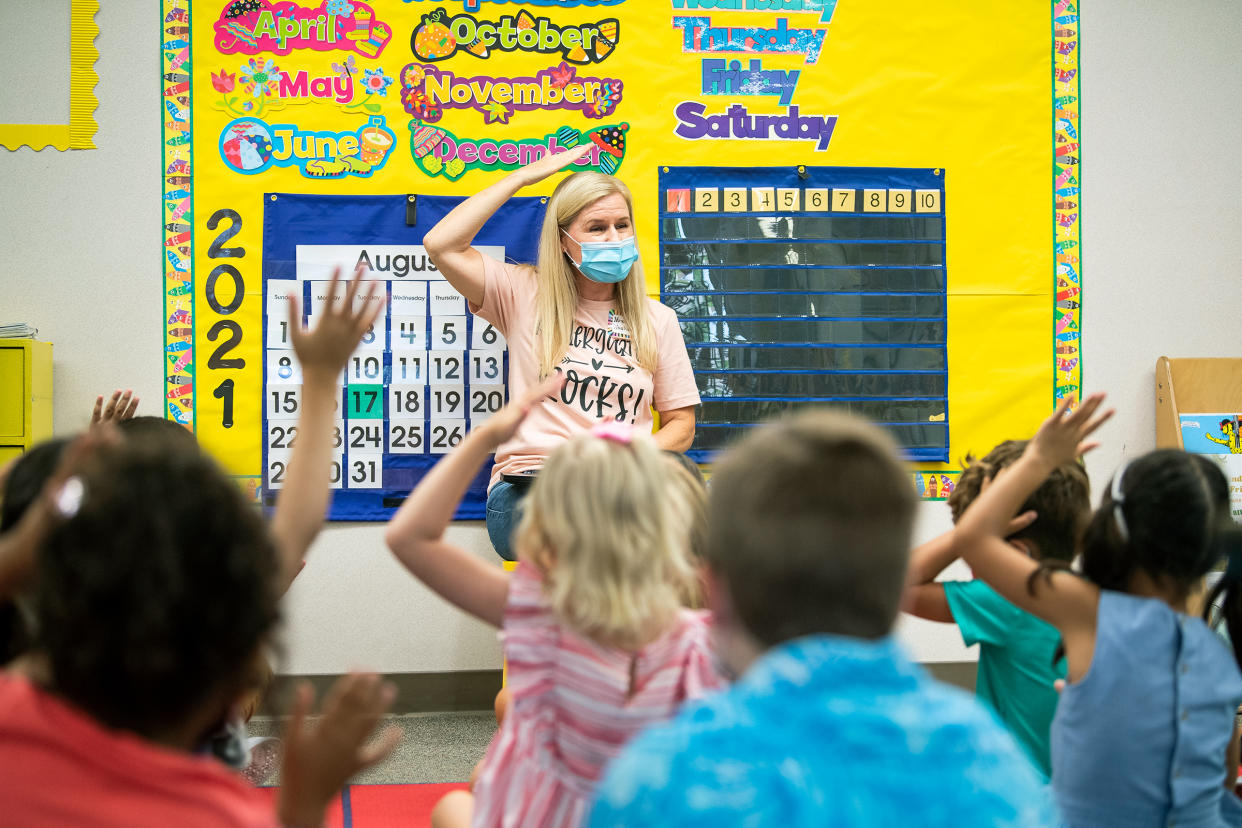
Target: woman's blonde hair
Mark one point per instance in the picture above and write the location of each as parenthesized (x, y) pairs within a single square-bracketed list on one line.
[(556, 295), (597, 524)]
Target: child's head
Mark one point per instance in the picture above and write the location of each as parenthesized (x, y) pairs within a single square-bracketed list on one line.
[(151, 599), (145, 427), (687, 505), (26, 480), (598, 525), (1161, 517), (24, 485), (1062, 503), (687, 500), (810, 522), (1166, 516)]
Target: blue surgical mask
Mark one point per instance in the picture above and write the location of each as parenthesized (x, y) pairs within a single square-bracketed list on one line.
[(606, 261)]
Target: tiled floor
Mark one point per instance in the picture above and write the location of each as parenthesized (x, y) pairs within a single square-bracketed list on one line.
[(444, 747)]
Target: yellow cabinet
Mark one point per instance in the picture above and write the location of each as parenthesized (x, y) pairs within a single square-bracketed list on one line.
[(25, 395)]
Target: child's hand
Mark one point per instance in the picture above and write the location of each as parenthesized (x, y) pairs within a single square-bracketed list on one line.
[(324, 351), (502, 425), (538, 170), (1019, 522), (319, 761), (120, 407), (1062, 437)]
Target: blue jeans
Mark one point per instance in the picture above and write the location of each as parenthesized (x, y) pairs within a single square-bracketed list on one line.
[(504, 510)]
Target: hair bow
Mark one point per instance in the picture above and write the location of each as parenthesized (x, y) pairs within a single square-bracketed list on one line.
[(614, 431)]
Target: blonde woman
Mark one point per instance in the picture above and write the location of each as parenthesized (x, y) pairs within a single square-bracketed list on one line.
[(580, 311), (598, 643)]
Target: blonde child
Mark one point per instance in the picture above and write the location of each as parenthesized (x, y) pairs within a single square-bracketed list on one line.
[(1141, 730), (597, 640), (687, 505)]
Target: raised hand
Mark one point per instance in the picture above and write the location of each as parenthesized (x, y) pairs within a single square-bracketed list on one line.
[(319, 760), (120, 407), (1062, 437), (538, 170), (324, 351)]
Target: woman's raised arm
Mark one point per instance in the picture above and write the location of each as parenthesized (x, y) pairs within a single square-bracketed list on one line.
[(449, 243)]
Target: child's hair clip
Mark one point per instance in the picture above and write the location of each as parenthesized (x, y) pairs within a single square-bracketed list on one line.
[(69, 499), (615, 431)]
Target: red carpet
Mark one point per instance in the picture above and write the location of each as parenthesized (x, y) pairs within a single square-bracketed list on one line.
[(384, 806)]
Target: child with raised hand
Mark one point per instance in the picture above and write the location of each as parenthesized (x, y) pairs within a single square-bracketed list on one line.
[(303, 501), (1017, 663), (300, 505), (1141, 730), (597, 640), (154, 586)]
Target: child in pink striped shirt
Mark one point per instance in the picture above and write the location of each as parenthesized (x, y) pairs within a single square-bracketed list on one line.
[(598, 642)]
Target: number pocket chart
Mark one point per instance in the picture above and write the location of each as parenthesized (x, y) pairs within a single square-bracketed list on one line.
[(804, 286), (425, 373)]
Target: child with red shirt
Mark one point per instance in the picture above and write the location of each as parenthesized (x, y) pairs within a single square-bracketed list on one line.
[(153, 586)]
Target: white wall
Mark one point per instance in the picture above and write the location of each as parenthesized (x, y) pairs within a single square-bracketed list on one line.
[(1162, 117), (1162, 220)]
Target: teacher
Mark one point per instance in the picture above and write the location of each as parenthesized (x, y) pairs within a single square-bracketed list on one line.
[(582, 310)]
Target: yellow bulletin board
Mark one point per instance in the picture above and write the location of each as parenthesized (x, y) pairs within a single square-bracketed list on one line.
[(290, 105)]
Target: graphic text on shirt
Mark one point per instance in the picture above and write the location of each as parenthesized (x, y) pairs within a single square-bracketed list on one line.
[(599, 341)]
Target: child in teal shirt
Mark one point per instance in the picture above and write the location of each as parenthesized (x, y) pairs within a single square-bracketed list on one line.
[(1017, 671)]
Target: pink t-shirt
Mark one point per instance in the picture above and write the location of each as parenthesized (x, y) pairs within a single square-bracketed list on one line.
[(605, 381), (61, 767)]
